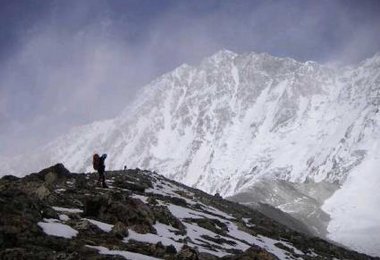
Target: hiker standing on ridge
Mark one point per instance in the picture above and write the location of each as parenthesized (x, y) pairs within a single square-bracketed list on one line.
[(98, 164)]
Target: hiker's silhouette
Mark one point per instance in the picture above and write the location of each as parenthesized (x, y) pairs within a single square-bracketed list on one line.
[(99, 165)]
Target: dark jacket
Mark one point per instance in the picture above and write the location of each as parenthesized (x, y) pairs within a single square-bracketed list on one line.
[(102, 165)]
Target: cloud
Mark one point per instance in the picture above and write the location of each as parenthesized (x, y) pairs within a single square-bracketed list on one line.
[(4, 120), (362, 43), (80, 61)]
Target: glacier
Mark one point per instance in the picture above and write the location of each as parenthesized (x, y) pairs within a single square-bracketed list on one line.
[(236, 120)]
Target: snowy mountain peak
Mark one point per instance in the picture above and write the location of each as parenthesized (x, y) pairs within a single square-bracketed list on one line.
[(222, 55), (373, 62), (219, 59), (235, 120)]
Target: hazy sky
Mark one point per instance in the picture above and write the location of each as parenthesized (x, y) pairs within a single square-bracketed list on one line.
[(69, 62)]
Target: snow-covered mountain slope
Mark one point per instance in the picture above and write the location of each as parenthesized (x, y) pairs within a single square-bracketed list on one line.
[(235, 119), (303, 201), (355, 209)]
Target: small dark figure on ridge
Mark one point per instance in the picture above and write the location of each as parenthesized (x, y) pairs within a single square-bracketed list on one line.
[(99, 165)]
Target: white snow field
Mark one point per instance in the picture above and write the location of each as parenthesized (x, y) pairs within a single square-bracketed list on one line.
[(355, 216)]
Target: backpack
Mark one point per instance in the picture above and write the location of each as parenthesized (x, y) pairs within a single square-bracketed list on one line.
[(96, 162)]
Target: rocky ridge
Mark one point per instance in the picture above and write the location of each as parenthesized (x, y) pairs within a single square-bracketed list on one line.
[(55, 214)]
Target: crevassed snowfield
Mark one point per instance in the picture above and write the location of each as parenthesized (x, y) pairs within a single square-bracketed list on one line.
[(234, 119)]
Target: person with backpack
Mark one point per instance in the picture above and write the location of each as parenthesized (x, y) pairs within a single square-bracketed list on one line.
[(99, 165)]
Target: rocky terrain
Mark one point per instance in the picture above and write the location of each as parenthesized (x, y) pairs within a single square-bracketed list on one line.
[(55, 214)]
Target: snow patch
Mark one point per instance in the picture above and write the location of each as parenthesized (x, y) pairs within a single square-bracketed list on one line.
[(103, 226), (64, 217), (53, 228), (153, 238), (128, 255), (68, 210)]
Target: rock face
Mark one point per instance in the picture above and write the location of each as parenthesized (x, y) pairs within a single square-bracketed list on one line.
[(71, 218)]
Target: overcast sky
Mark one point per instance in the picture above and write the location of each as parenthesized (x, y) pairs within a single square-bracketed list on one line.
[(70, 62)]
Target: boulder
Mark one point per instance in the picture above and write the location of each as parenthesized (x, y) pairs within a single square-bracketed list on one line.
[(120, 230), (253, 253), (163, 215), (82, 224), (42, 192), (188, 253), (131, 212), (51, 174)]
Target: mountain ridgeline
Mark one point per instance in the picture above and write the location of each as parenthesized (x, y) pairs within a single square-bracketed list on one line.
[(297, 136), (55, 214)]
